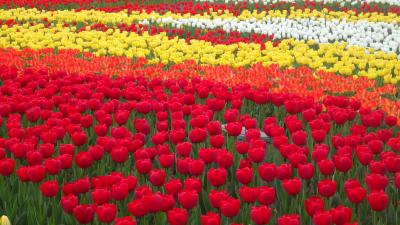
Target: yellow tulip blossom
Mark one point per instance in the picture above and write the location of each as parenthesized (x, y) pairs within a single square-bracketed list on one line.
[(4, 220)]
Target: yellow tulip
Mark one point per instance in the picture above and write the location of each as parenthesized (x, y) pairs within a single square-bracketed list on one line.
[(4, 220)]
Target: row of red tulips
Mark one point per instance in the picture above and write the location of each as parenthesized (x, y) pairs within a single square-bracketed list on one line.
[(196, 7), (175, 151)]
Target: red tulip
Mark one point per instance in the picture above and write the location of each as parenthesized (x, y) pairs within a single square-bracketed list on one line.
[(33, 114), (391, 120), (101, 130), (86, 121), (376, 182), (244, 175), (182, 165), (318, 135), (53, 166), (376, 146), (343, 163), (364, 155), (356, 194), (292, 186), (177, 216), (297, 158), (234, 129), (320, 152), (143, 166), (210, 218), (214, 128), (82, 185), (127, 220), (284, 171), (351, 183), (217, 141), (173, 187), (266, 195), (248, 194), (216, 197), (188, 199), (131, 181), (168, 202), (106, 212), (267, 171), (36, 173), (392, 163), (292, 219), (22, 173), (96, 152), (377, 167), (157, 177), (49, 188), (341, 215), (299, 137), (184, 149), (143, 107), (137, 208), (34, 158), (19, 150), (192, 184), (326, 167), (83, 160), (314, 204), (323, 218), (378, 200), (260, 214), (153, 202), (230, 207), (69, 202), (67, 149), (257, 155), (242, 147), (84, 213), (224, 158), (197, 135), (46, 150), (119, 154), (166, 160), (79, 138), (7, 166), (177, 136), (119, 191), (196, 167), (327, 188), (308, 114), (306, 171), (217, 177), (207, 155), (121, 117), (101, 196)]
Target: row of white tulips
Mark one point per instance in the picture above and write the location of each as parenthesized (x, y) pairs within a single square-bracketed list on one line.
[(377, 35), (341, 2)]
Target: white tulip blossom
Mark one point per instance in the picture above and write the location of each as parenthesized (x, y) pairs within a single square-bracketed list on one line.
[(378, 35)]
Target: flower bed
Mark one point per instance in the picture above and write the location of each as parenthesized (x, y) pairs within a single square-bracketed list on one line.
[(213, 113)]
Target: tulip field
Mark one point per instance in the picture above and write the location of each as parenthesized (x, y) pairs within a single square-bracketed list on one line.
[(204, 112)]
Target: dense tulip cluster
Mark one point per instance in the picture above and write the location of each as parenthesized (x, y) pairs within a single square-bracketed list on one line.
[(362, 48), (199, 112), (195, 7), (137, 151), (391, 2)]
